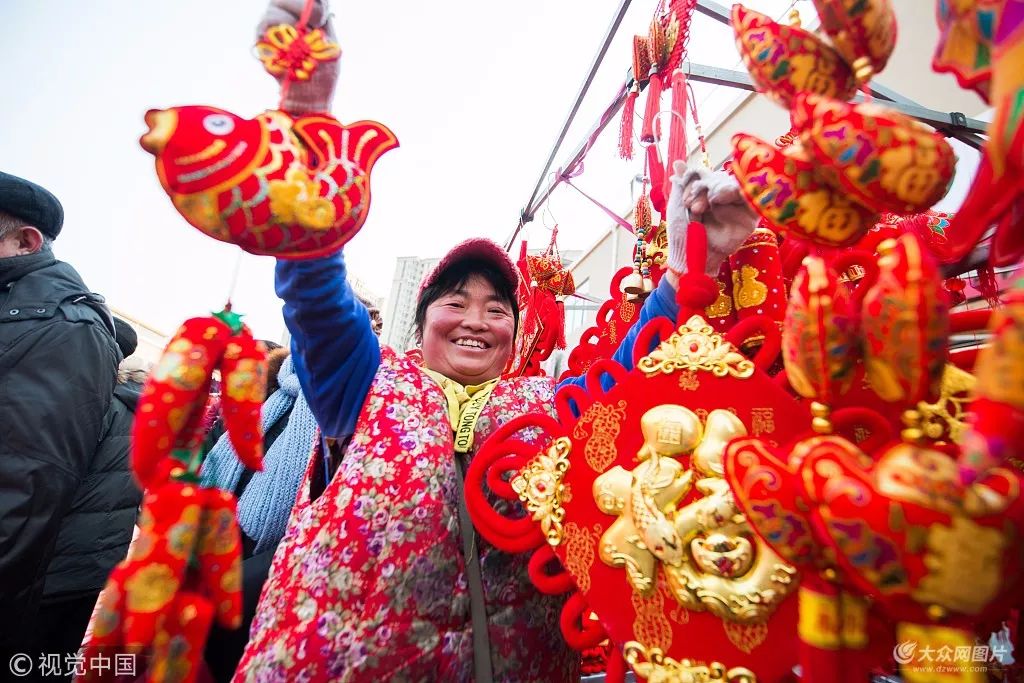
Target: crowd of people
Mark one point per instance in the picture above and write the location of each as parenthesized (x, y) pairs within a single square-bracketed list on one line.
[(360, 562)]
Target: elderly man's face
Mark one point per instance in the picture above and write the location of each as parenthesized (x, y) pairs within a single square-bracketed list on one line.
[(20, 241)]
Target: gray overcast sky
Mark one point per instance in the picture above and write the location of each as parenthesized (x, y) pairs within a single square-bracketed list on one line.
[(475, 91)]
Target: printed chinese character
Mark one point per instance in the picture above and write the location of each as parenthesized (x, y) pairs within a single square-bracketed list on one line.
[(124, 664), (925, 654), (50, 664), (980, 653), (962, 654), (99, 663), (945, 654), (74, 664), (762, 420)]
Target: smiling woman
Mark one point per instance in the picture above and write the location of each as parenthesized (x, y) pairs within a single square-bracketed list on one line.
[(380, 575), (467, 316)]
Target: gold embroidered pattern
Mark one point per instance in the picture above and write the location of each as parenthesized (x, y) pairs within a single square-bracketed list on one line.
[(540, 487), (652, 665), (696, 346), (579, 553), (948, 414), (722, 305), (599, 450), (688, 380), (747, 290), (762, 421), (746, 637), (651, 625)]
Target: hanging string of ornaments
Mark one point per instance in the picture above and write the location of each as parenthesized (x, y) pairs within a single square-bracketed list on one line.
[(799, 471), (292, 185)]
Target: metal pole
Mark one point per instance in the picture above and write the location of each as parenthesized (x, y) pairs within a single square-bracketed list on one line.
[(609, 35), (574, 160)]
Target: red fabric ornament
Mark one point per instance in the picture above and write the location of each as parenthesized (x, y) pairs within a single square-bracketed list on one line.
[(862, 31), (819, 336), (171, 406), (219, 556), (996, 434), (784, 187), (571, 490), (244, 379), (905, 324), (756, 273), (616, 315), (966, 43), (885, 160), (786, 60), (275, 184)]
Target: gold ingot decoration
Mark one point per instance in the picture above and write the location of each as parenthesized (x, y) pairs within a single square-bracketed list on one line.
[(651, 665), (540, 488), (696, 346), (709, 555), (948, 415)]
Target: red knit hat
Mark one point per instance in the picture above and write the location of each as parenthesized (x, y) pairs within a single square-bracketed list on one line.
[(476, 248)]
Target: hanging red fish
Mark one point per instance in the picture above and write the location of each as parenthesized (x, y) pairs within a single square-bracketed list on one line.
[(291, 187)]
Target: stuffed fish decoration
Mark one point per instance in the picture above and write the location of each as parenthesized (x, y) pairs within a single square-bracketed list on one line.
[(287, 186)]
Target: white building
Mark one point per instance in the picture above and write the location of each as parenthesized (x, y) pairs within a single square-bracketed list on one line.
[(400, 314)]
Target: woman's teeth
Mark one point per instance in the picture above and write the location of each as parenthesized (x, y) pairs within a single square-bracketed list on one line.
[(472, 343)]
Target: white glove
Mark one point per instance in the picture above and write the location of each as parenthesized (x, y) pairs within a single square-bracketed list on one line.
[(316, 94), (714, 199)]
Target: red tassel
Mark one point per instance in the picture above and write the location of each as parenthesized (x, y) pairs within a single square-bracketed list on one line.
[(560, 321), (653, 107), (677, 131), (657, 173), (626, 126)]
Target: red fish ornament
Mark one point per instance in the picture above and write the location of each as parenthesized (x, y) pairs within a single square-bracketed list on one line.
[(291, 187)]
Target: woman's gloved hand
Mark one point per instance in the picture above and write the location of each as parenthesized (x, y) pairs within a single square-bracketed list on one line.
[(714, 199), (316, 94)]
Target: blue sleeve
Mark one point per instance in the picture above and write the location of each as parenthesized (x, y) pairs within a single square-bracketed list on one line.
[(661, 302), (334, 350)]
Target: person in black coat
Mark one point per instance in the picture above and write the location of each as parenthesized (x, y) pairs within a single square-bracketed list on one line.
[(58, 369), (96, 531)]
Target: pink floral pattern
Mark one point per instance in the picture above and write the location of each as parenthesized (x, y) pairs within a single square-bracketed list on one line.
[(368, 582)]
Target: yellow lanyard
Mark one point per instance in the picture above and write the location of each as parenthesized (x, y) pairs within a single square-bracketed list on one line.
[(464, 406)]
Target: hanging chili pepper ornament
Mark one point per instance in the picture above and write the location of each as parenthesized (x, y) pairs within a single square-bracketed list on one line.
[(184, 570)]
